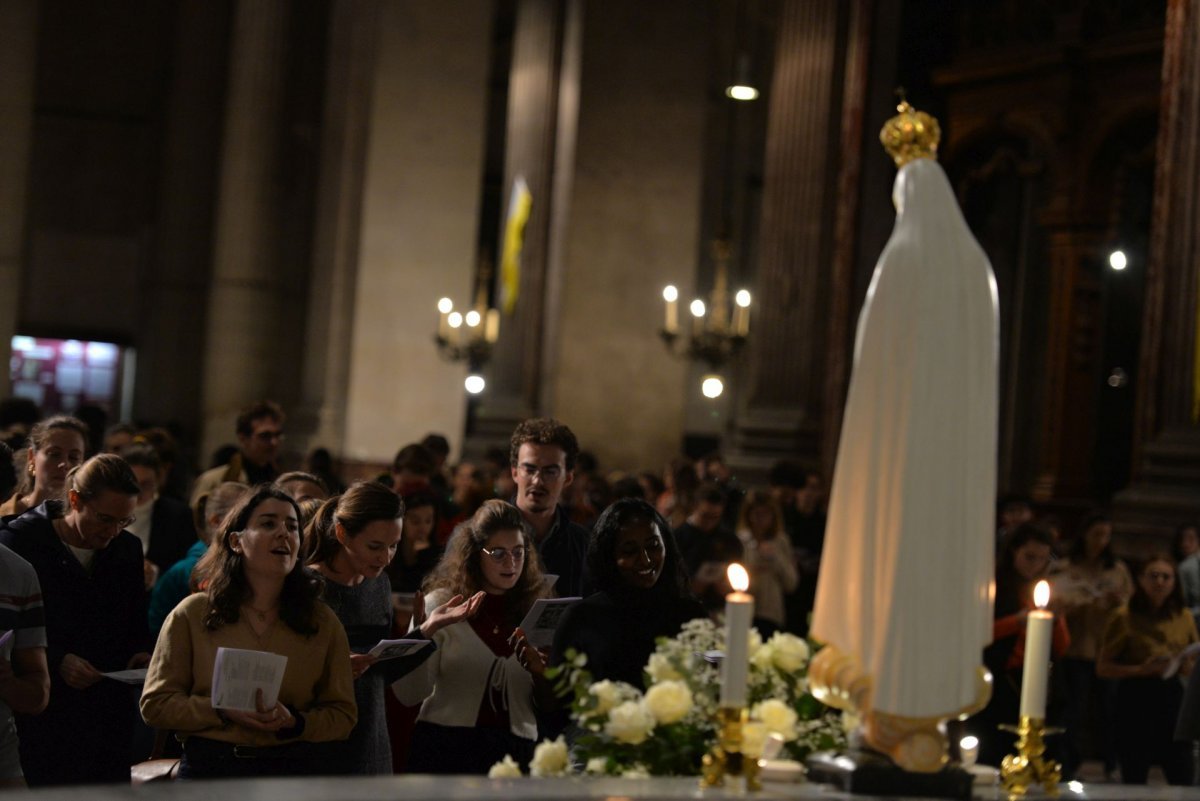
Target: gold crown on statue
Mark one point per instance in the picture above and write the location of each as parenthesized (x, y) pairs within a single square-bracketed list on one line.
[(910, 135)]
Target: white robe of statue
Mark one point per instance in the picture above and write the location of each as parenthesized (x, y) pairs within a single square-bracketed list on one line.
[(905, 580)]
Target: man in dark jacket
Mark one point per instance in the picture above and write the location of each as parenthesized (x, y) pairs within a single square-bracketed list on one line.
[(542, 455)]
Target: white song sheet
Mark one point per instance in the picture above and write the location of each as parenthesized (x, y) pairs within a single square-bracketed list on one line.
[(238, 674)]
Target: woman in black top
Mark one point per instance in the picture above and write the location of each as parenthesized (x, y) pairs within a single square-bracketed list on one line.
[(634, 562)]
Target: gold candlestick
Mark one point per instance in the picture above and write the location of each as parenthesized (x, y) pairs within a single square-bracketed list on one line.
[(726, 757), (1028, 767)]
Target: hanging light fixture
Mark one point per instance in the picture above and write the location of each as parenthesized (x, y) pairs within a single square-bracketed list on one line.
[(742, 87)]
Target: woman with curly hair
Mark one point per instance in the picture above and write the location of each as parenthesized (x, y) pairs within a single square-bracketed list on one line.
[(635, 565), (260, 598), (477, 689)]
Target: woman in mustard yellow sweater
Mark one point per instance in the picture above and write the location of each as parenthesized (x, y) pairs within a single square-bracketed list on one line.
[(259, 598)]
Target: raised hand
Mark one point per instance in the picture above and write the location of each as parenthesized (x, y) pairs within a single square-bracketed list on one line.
[(453, 611)]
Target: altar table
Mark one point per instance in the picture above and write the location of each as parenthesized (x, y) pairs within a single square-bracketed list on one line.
[(470, 788)]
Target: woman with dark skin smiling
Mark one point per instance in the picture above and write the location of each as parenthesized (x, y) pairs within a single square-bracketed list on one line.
[(260, 598), (635, 564), (91, 576)]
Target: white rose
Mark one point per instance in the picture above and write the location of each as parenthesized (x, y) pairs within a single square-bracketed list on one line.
[(668, 701), (661, 669), (607, 696), (549, 758), (754, 640), (790, 652), (754, 736), (629, 723), (638, 771), (597, 766), (764, 657), (505, 769), (778, 717)]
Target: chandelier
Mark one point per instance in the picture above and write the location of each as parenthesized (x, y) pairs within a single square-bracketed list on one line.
[(468, 336), (717, 330)]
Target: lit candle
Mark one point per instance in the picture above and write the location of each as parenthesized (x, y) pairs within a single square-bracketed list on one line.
[(741, 313), (739, 611), (1039, 627), (671, 296), (445, 306), (698, 311)]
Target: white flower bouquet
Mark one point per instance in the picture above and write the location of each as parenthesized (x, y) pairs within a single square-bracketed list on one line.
[(666, 730)]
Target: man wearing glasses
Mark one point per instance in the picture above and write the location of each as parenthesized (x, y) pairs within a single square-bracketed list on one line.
[(542, 453), (260, 436)]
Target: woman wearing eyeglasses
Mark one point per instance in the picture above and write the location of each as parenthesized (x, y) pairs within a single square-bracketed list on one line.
[(477, 689), (91, 575), (1144, 641)]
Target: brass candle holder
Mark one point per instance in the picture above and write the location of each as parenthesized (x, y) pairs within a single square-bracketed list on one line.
[(726, 757), (1029, 767)]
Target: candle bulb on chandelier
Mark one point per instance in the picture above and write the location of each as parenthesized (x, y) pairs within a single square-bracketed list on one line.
[(671, 296), (444, 306), (455, 321), (697, 317), (741, 313)]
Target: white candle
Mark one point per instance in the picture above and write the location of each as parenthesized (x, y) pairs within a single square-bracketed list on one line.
[(1039, 628), (671, 296), (739, 612)]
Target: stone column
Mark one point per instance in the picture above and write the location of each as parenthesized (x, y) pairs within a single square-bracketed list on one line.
[(244, 309), (419, 225), (784, 402), (171, 332), (634, 227), (1166, 487), (515, 371), (353, 38), (18, 59)]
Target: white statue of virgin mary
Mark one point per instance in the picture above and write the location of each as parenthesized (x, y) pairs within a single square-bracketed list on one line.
[(904, 597)]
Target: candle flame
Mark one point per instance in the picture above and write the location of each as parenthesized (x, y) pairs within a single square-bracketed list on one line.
[(739, 579), (1041, 594)]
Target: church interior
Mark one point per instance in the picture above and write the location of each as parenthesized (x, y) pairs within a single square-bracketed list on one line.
[(267, 199)]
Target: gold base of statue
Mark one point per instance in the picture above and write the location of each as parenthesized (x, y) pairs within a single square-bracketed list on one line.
[(1029, 767), (726, 757), (915, 744)]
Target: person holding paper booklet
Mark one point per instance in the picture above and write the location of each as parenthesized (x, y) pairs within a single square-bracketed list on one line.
[(349, 543), (1141, 644), (91, 576), (477, 689), (259, 598), (635, 564)]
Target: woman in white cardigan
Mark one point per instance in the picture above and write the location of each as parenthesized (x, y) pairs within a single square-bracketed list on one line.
[(477, 688)]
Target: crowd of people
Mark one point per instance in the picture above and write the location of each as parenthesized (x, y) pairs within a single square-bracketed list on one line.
[(1120, 658), (108, 569)]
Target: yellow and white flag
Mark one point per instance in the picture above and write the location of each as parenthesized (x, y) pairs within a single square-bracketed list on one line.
[(519, 204)]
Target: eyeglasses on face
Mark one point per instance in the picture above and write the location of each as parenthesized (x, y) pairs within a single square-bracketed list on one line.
[(500, 555), (109, 520), (549, 472), (270, 435)]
